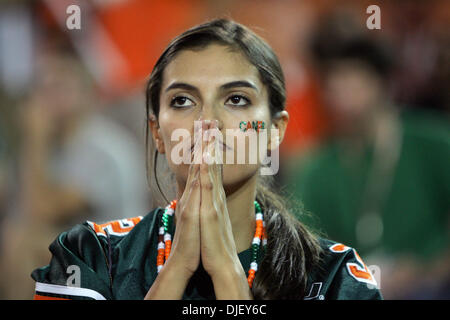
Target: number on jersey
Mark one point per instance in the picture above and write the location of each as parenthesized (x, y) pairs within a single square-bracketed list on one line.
[(358, 270)]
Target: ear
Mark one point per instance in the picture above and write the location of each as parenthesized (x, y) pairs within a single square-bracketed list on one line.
[(154, 127), (280, 122)]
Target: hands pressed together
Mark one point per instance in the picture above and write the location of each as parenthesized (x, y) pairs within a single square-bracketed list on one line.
[(203, 230)]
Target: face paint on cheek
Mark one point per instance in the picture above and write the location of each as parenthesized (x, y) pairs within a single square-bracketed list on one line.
[(252, 125), (246, 142)]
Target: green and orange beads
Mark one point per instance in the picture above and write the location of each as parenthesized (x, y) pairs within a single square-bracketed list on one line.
[(165, 239)]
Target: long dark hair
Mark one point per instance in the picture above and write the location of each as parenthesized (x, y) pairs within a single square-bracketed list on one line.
[(292, 251)]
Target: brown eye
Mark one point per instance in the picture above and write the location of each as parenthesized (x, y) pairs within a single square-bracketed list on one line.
[(181, 102), (238, 100)]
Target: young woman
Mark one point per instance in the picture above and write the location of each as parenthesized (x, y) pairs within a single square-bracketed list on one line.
[(226, 235)]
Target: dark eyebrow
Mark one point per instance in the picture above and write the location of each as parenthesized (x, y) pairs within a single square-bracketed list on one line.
[(181, 85), (240, 83), (229, 85)]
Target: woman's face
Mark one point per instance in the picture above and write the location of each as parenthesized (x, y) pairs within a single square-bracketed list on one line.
[(213, 83)]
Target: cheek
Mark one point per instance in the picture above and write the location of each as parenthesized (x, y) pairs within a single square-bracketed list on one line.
[(244, 131), (177, 144), (176, 137), (254, 118), (172, 127)]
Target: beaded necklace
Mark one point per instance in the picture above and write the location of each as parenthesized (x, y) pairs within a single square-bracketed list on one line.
[(165, 239)]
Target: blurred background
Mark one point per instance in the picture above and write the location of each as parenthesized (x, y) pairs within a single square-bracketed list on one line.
[(366, 153)]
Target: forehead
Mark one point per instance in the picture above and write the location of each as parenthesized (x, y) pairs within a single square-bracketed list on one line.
[(212, 65)]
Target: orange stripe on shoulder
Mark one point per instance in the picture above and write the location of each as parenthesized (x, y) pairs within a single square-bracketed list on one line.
[(339, 248), (119, 227)]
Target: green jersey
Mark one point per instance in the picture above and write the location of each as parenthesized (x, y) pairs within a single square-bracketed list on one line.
[(117, 260)]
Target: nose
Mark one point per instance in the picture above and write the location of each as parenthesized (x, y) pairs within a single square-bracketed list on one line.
[(210, 114)]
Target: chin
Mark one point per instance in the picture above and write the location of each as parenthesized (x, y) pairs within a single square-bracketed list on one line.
[(237, 175)]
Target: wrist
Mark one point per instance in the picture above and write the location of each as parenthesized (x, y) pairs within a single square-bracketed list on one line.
[(170, 283), (231, 284), (178, 268)]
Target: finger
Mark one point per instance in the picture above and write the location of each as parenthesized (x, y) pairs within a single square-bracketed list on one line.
[(192, 174), (192, 179), (192, 182), (213, 200), (214, 164), (188, 208), (216, 178), (217, 155), (205, 179), (194, 194), (213, 153), (197, 151)]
